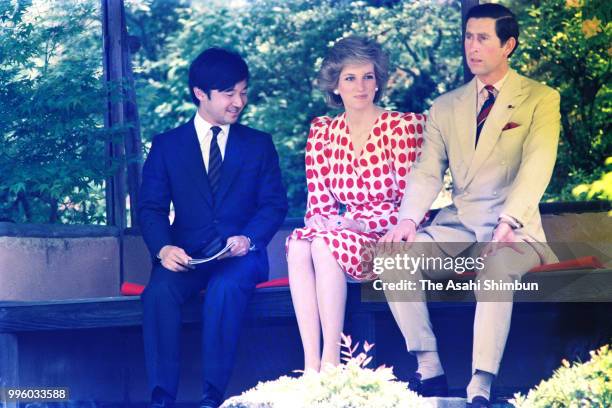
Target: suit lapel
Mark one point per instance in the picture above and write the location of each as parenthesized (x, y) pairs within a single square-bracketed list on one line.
[(195, 164), (232, 160), (509, 99), (465, 121)]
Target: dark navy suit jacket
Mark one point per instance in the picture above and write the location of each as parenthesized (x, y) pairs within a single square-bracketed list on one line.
[(251, 199)]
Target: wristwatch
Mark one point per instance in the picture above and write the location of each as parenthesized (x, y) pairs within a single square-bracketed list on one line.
[(514, 224), (251, 245)]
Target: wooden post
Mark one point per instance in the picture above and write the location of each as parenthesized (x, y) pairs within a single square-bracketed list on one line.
[(115, 185), (466, 5), (121, 111), (9, 365)]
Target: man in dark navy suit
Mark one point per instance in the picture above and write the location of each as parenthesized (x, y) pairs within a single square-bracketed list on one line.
[(224, 182)]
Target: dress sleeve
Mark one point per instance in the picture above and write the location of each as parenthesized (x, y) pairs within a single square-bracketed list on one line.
[(404, 146), (320, 199), (407, 150)]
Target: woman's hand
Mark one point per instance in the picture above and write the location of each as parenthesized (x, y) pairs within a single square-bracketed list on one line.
[(338, 222), (317, 222)]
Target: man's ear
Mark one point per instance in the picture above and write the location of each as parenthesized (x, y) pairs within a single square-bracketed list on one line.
[(200, 94), (509, 46)]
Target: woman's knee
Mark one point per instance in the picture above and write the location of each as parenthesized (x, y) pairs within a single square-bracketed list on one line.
[(319, 247), (321, 252), (298, 251)]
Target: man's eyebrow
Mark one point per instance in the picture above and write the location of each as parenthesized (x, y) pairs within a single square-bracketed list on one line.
[(232, 89)]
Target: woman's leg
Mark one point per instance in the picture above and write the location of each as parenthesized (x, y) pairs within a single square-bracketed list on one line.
[(331, 296), (304, 297)]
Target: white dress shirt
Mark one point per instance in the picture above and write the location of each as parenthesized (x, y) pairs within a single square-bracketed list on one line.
[(204, 133), (483, 94)]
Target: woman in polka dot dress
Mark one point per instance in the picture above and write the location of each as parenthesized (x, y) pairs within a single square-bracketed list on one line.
[(357, 161)]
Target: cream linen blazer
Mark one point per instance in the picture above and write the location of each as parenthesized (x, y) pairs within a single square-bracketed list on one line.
[(507, 172)]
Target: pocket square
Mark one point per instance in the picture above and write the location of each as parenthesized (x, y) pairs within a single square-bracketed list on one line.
[(510, 125)]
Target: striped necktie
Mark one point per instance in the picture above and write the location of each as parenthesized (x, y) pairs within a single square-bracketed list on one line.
[(214, 161), (484, 111)]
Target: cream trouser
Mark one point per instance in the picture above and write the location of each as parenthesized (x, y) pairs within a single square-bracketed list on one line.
[(492, 319)]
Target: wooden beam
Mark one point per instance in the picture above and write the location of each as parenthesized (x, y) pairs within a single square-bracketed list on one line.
[(121, 111), (133, 143), (466, 5), (115, 184)]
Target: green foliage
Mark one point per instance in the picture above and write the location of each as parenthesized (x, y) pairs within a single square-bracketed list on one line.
[(52, 96), (284, 44), (51, 105), (586, 385), (599, 189), (567, 44)]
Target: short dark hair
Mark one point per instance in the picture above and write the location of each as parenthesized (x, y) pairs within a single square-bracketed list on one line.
[(216, 68), (506, 25), (346, 51)]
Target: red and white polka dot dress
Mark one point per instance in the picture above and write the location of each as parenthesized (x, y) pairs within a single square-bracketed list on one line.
[(370, 186)]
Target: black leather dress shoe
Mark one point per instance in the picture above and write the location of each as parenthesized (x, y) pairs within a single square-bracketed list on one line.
[(161, 404), (479, 402), (161, 399), (209, 402), (431, 387)]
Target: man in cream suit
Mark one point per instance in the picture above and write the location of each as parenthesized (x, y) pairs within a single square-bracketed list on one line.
[(498, 135)]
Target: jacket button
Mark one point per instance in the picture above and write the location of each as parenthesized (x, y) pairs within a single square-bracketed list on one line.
[(215, 221)]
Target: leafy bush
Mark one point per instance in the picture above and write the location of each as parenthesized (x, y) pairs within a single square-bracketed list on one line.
[(579, 385), (349, 385), (566, 44), (599, 189)]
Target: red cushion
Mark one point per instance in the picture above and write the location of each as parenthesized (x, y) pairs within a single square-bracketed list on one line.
[(274, 283), (131, 289), (135, 289), (586, 262)]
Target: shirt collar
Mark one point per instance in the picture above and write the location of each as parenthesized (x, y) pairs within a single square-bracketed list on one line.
[(203, 127), (498, 85)]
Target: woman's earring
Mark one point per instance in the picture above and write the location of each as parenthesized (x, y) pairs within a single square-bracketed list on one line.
[(336, 92), (376, 89)]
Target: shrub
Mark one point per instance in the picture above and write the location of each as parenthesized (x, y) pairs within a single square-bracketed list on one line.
[(586, 385)]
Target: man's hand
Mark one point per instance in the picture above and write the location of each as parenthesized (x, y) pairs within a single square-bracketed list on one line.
[(338, 222), (503, 236), (404, 231), (240, 246), (317, 222), (174, 258)]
